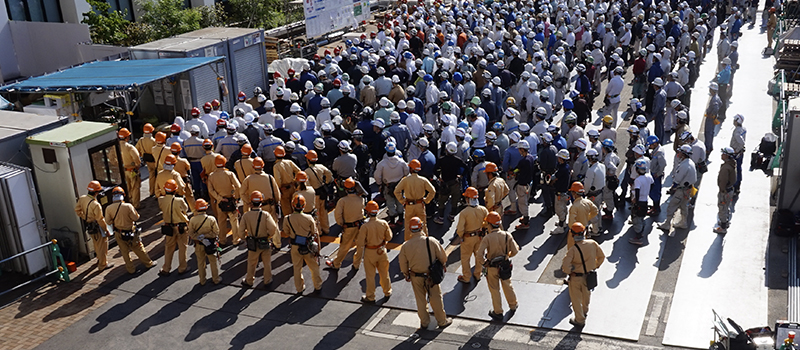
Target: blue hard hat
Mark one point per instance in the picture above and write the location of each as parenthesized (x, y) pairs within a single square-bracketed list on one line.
[(652, 139), (390, 147), (224, 115), (353, 50), (437, 54), (463, 125), (497, 126), (427, 77), (348, 42), (479, 153), (608, 143), (408, 55), (451, 43), (498, 44), (567, 103), (457, 76)]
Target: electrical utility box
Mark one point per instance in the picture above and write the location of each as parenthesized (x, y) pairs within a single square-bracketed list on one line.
[(246, 59), (65, 160), (198, 86)]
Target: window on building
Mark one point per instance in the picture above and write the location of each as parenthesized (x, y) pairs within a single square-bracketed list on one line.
[(123, 6), (34, 10)]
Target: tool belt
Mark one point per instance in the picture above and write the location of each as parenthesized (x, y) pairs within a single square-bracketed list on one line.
[(133, 169), (126, 235), (376, 246), (613, 96), (478, 232), (168, 229), (578, 274), (415, 274), (255, 243), (148, 158), (227, 205), (357, 223), (287, 186), (415, 201)]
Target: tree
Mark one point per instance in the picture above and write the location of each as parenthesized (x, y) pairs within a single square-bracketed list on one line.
[(105, 26), (168, 17), (261, 13)]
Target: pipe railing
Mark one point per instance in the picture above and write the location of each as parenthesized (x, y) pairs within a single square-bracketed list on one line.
[(59, 264)]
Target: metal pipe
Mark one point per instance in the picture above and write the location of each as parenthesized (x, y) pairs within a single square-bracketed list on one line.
[(28, 251), (29, 282)]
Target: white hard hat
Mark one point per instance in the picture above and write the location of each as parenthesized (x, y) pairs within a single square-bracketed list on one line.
[(591, 152), (523, 145), (563, 154), (461, 133), (451, 147), (379, 123), (384, 102), (295, 108), (327, 126), (269, 105), (580, 143), (194, 129), (423, 142), (658, 82)]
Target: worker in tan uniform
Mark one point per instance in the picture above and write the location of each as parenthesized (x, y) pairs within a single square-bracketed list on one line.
[(496, 249), (203, 230), (301, 187), (183, 167), (264, 183), (160, 151), (581, 211), (207, 163), (122, 216), (169, 173), (302, 231), (318, 177), (497, 190), (416, 256), (174, 213), (244, 166), (261, 233), (349, 214), (285, 171), (131, 163), (471, 230), (145, 147), (371, 244), (224, 188), (584, 257), (415, 192), (91, 213)]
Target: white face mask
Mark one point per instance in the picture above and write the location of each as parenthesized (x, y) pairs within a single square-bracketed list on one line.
[(168, 167), (578, 238), (118, 197), (473, 202)]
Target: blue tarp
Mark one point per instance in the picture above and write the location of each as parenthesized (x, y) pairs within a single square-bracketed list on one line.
[(109, 75)]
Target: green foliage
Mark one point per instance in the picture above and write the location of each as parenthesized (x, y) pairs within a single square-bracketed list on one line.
[(262, 13), (165, 18), (105, 26), (168, 17)]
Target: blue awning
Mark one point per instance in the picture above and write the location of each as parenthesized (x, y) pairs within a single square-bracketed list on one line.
[(109, 75)]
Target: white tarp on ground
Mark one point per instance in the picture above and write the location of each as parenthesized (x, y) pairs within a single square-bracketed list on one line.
[(282, 65)]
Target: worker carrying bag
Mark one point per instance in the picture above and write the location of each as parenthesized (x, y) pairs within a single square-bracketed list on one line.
[(436, 269)]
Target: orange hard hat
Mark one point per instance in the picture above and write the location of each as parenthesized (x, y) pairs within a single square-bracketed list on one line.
[(494, 219), (490, 168), (471, 192), (220, 161), (372, 207), (246, 150), (170, 160), (301, 176), (148, 128), (175, 147), (349, 183), (171, 186), (258, 163), (415, 224), (200, 204), (161, 137), (208, 142), (256, 197), (577, 228), (414, 165), (94, 186), (298, 202), (175, 128), (312, 156), (123, 133), (118, 190), (280, 151), (576, 187)]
